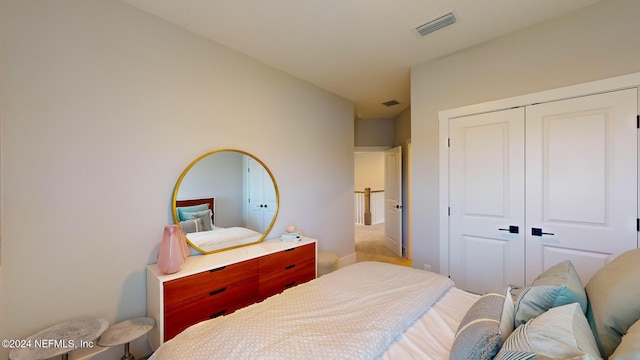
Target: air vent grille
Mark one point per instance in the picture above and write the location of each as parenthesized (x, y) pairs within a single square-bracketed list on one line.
[(436, 24), (390, 103)]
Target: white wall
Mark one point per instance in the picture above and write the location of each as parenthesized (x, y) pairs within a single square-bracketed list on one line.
[(597, 42), (374, 132), (103, 106)]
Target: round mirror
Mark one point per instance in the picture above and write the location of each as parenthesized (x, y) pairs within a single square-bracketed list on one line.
[(225, 199)]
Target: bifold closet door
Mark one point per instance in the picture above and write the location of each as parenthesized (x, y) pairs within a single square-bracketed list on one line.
[(486, 200), (581, 181)]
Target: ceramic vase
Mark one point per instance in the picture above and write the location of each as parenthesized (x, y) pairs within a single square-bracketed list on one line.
[(185, 247), (172, 250)]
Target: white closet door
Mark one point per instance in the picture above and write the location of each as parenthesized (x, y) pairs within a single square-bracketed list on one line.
[(581, 181), (487, 200)]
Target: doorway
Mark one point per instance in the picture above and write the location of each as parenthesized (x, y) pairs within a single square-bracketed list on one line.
[(372, 239)]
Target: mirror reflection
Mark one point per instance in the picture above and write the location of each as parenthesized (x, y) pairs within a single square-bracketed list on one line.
[(225, 199)]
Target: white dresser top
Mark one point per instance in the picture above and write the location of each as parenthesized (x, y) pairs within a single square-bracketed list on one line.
[(199, 263)]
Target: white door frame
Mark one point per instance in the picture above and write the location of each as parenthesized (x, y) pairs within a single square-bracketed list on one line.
[(593, 87)]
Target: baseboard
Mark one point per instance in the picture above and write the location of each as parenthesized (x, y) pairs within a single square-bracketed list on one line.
[(347, 260)]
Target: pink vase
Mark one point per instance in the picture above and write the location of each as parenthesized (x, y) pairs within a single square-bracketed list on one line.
[(172, 250), (185, 247)]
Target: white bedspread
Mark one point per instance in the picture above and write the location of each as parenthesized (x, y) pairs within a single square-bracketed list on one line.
[(431, 337), (356, 312), (223, 237)]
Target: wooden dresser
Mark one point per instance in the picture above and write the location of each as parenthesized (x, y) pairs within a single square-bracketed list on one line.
[(217, 284)]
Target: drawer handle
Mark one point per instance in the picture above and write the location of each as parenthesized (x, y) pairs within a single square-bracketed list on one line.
[(290, 284), (218, 269), (218, 291), (219, 313), (290, 267), (290, 249)]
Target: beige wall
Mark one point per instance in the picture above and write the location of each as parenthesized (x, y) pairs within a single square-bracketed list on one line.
[(402, 128), (103, 106), (597, 42), (369, 170)]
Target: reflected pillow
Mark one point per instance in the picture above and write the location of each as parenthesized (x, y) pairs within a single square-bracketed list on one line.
[(559, 285), (560, 333), (204, 215), (191, 226), (187, 209)]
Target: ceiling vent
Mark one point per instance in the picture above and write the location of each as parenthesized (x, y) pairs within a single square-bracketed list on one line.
[(390, 103), (436, 24)]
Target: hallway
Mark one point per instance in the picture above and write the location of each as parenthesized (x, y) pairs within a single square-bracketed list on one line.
[(370, 245)]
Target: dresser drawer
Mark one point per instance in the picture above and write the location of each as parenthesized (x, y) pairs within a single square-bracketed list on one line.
[(192, 286), (277, 281), (220, 302), (286, 259)]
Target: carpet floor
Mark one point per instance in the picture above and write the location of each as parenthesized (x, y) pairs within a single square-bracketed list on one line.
[(370, 245)]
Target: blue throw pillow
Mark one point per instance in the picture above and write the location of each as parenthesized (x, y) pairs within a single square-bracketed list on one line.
[(559, 285)]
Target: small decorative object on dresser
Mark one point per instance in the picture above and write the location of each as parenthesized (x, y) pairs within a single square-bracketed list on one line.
[(291, 236), (173, 250), (218, 284)]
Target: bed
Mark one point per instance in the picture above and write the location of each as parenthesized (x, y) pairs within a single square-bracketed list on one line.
[(197, 219), (372, 310)]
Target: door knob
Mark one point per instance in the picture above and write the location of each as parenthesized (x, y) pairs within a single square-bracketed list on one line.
[(538, 232), (512, 229), (398, 206)]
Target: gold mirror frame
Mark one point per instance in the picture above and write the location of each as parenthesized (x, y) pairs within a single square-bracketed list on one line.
[(232, 246)]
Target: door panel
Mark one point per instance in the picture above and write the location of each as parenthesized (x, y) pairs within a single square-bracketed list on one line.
[(486, 198), (575, 145), (581, 181), (393, 199), (493, 272), (587, 263), (485, 151)]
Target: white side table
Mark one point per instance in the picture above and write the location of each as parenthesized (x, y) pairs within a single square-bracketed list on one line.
[(125, 332), (60, 339)]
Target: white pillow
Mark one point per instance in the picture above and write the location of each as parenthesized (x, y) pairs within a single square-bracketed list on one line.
[(561, 332), (508, 315)]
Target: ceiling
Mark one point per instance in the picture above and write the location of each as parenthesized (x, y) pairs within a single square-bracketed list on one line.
[(361, 50)]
